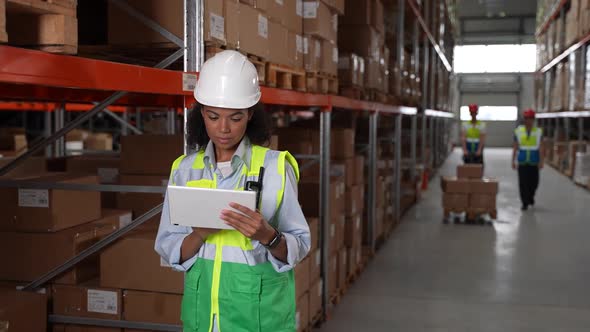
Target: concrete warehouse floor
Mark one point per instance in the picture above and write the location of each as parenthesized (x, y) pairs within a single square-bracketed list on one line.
[(528, 272)]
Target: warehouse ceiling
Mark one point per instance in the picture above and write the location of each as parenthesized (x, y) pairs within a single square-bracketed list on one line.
[(496, 21)]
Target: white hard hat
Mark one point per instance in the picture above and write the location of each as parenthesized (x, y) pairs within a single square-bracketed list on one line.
[(228, 80)]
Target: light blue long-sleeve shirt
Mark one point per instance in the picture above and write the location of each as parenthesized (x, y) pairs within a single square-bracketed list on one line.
[(289, 218)]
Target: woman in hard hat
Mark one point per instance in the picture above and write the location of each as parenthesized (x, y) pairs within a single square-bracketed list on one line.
[(242, 279), (528, 156), (473, 138)]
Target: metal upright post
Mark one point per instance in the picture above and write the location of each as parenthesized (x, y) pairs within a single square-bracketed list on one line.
[(426, 64), (325, 218), (566, 128), (424, 120), (580, 129), (171, 121), (401, 6), (373, 123), (398, 166), (47, 129), (194, 54), (124, 129), (58, 119)]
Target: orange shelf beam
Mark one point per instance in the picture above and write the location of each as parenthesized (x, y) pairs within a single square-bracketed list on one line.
[(50, 107), (437, 48), (553, 14)]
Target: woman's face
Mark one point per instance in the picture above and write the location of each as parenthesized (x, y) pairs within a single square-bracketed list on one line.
[(225, 127)]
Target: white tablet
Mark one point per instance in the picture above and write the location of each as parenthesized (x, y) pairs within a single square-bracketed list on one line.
[(199, 207)]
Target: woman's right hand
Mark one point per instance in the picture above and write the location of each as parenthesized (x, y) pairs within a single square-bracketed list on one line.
[(193, 242)]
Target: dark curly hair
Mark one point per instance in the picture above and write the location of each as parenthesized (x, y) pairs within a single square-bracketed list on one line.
[(258, 130)]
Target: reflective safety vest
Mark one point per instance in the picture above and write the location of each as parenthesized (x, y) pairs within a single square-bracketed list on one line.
[(232, 280), (473, 133), (528, 145)]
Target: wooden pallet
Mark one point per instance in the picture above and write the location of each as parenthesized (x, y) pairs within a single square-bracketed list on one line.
[(337, 297), (377, 96), (285, 77), (322, 83), (49, 26)]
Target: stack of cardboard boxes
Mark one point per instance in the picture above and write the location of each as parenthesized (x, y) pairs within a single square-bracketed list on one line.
[(320, 25), (574, 148), (40, 229), (13, 142), (469, 192), (362, 32)]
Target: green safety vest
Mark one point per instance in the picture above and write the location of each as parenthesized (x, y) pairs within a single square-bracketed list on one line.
[(231, 279), (473, 134), (528, 145)]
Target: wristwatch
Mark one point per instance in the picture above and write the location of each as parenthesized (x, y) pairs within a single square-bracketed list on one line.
[(275, 241)]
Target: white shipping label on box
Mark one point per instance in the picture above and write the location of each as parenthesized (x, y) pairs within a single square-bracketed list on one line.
[(318, 48), (299, 8), (108, 175), (358, 223), (332, 230), (217, 26), (125, 220), (335, 54), (103, 302), (189, 81), (305, 45), (297, 320), (320, 287), (344, 63), (310, 9), (299, 43), (335, 22), (318, 258), (280, 2), (262, 26), (38, 198)]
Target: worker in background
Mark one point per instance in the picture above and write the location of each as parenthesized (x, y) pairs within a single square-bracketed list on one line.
[(528, 156), (473, 138), (242, 279)]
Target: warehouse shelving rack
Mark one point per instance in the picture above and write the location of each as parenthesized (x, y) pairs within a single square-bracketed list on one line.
[(64, 81)]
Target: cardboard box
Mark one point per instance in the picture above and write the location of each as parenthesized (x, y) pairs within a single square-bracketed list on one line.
[(451, 184), (355, 200), (84, 328), (123, 29), (455, 201), (87, 300), (470, 171), (302, 318), (342, 267), (357, 12), (99, 141), (359, 170), (23, 311), (353, 231), (16, 142), (30, 255), (299, 140), (337, 6), (312, 53), (31, 166), (49, 210), (150, 154), (105, 167), (315, 298), (349, 72), (347, 166), (126, 263), (277, 11), (343, 141), (319, 21), (329, 58), (373, 74), (482, 201), (340, 224), (310, 201), (351, 264), (294, 15), (159, 308), (140, 203), (247, 29), (302, 273), (278, 37), (296, 56), (315, 264), (333, 274), (484, 186), (363, 40), (314, 229)]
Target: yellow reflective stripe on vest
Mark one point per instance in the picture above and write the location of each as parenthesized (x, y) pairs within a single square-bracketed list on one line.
[(257, 159), (199, 160)]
